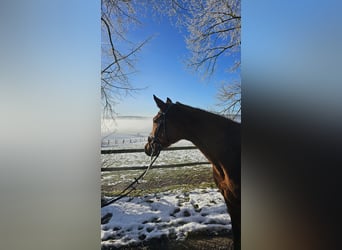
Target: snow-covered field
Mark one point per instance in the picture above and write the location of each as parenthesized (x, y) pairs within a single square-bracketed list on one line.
[(125, 132), (173, 214)]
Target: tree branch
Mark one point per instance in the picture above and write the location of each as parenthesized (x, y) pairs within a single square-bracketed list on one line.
[(128, 55)]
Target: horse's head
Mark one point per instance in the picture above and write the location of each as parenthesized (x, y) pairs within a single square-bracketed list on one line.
[(164, 130)]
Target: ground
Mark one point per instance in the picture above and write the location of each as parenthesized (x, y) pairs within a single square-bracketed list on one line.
[(170, 220), (177, 208), (200, 241), (159, 180)]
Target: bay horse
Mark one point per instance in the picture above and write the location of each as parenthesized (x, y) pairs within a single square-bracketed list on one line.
[(217, 137)]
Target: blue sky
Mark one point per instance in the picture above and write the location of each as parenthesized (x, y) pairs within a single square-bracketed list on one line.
[(161, 68)]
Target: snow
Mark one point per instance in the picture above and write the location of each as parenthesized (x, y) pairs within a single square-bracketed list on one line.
[(167, 214)]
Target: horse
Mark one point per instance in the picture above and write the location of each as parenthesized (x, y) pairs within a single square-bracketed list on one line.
[(217, 137)]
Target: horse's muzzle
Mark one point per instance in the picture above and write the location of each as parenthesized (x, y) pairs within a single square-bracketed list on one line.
[(152, 148), (148, 149)]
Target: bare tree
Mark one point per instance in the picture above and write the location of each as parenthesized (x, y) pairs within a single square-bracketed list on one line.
[(214, 31), (229, 96), (118, 52)]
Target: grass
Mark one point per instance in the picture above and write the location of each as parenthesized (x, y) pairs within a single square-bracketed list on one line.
[(158, 180)]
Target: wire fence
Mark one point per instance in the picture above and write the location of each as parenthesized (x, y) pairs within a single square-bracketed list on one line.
[(176, 168)]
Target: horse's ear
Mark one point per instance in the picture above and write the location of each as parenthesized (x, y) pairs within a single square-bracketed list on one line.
[(160, 103), (168, 101)]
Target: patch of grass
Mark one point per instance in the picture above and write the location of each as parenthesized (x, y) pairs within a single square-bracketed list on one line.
[(158, 180)]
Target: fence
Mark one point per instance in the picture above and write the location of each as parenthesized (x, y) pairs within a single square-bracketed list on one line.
[(120, 151)]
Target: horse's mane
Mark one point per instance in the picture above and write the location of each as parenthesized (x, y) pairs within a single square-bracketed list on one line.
[(210, 114)]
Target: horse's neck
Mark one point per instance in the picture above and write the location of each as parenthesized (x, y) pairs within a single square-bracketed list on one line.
[(205, 130)]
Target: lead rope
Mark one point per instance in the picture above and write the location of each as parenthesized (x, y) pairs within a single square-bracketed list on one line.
[(133, 185)]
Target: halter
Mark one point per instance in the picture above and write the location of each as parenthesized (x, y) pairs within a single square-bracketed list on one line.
[(154, 140)]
